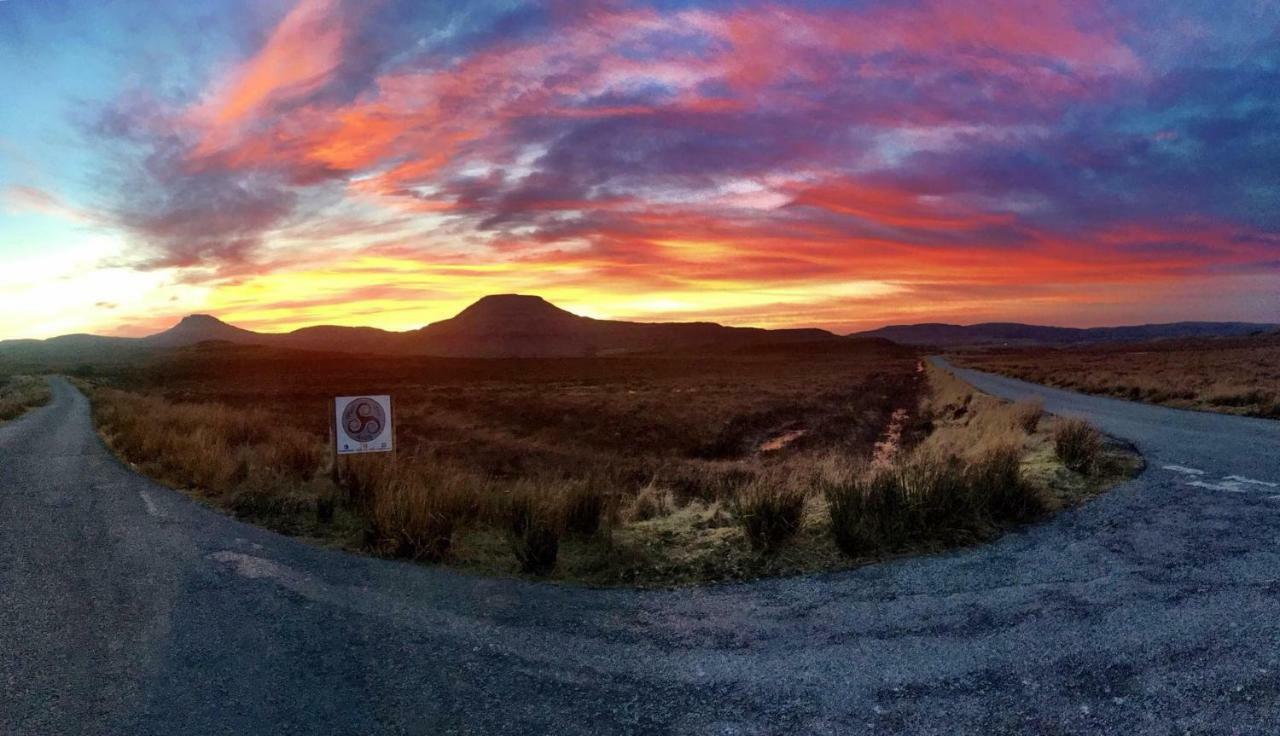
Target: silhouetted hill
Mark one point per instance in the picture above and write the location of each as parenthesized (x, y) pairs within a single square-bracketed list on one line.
[(197, 328), (516, 325), (1013, 333), (523, 326), (499, 326)]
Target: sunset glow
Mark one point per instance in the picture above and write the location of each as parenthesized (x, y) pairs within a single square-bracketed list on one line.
[(840, 165)]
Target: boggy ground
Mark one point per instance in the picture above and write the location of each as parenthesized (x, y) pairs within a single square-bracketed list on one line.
[(641, 470), (1229, 375)]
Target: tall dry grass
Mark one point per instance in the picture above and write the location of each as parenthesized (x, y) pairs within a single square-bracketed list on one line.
[(1233, 375), (211, 447), (770, 509), (439, 502), (927, 499), (18, 394), (967, 423), (1078, 444), (535, 525)]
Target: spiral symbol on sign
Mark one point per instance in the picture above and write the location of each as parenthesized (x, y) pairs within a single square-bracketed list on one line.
[(363, 419)]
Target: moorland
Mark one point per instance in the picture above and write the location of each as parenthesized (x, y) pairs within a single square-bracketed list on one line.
[(648, 469), (1234, 375)]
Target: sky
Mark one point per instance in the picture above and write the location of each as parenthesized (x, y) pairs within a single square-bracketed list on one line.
[(283, 163)]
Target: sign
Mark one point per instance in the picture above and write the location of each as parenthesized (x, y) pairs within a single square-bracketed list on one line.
[(364, 424)]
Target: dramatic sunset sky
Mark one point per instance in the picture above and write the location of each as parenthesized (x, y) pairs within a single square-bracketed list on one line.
[(281, 163)]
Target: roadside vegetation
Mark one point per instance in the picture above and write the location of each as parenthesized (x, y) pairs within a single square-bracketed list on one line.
[(1228, 375), (19, 394), (637, 471)]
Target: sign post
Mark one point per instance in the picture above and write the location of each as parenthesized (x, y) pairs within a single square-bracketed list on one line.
[(363, 424)]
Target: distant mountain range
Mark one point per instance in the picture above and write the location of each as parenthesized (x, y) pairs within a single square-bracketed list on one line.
[(514, 325), (499, 326), (1014, 333)]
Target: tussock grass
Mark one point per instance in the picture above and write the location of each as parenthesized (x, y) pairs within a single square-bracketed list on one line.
[(927, 499), (1078, 444), (651, 502), (18, 394), (585, 507), (535, 524), (770, 510), (1028, 414), (565, 479)]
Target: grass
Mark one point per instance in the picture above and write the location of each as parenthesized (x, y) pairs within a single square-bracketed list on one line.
[(770, 510), (635, 471), (927, 500), (535, 524), (1078, 444), (21, 393), (1228, 375)]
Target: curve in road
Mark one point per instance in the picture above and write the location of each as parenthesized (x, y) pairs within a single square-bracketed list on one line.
[(126, 608)]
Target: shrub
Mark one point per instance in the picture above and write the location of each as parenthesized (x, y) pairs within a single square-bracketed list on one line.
[(584, 506), (1078, 444), (770, 511), (294, 453), (364, 477), (936, 498), (650, 503), (534, 526), (995, 484), (416, 515), (1027, 414), (867, 511), (929, 496)]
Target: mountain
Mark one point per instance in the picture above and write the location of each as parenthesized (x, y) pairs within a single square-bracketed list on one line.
[(516, 325), (1014, 333), (499, 326), (522, 326), (198, 328)]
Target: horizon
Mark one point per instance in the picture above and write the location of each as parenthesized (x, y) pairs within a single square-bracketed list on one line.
[(216, 318), (758, 164)]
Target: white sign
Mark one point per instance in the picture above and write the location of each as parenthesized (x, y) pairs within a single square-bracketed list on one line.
[(364, 424)]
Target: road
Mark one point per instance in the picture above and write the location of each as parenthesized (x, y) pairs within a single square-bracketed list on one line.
[(126, 608)]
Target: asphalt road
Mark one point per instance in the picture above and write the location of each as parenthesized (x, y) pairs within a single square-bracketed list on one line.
[(126, 608)]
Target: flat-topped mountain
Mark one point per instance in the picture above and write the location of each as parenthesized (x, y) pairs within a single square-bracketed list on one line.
[(197, 328), (516, 325), (524, 326), (503, 325)]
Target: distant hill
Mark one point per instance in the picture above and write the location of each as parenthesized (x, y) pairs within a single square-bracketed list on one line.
[(514, 325), (499, 326), (521, 326), (198, 328), (1014, 333)]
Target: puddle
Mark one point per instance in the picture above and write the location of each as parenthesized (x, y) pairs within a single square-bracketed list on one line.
[(782, 440)]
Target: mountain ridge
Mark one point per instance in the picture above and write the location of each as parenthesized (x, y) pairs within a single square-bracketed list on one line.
[(941, 334), (495, 326), (529, 326)]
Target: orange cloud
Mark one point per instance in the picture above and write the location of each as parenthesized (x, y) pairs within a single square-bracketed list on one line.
[(301, 54)]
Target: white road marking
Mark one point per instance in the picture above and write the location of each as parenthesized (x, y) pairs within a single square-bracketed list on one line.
[(1184, 470), (151, 505), (1228, 487), (1251, 481)]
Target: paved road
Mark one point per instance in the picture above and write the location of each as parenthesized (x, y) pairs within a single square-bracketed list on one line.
[(127, 609)]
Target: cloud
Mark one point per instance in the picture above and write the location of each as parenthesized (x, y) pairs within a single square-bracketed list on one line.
[(737, 144), (22, 198)]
